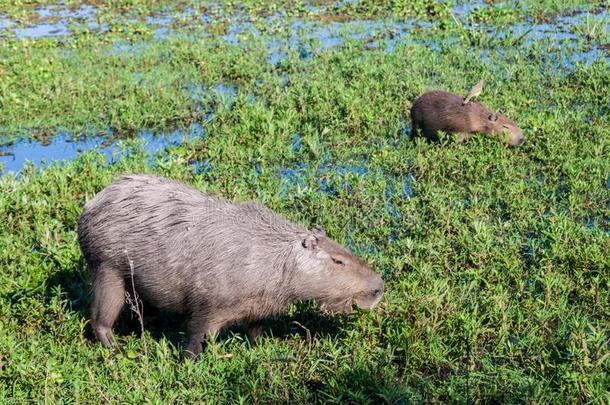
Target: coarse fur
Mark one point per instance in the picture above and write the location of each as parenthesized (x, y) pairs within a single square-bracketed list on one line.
[(436, 111), (219, 262)]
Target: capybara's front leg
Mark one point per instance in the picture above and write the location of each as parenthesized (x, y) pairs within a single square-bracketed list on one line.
[(200, 330)]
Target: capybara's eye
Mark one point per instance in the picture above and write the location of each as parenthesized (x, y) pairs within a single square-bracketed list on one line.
[(337, 261), (505, 126)]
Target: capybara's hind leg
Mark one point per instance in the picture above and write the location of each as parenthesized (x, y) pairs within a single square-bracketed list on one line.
[(200, 329), (255, 329), (108, 300), (462, 137)]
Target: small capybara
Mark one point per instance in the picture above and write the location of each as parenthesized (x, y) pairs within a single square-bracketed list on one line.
[(218, 262), (443, 111)]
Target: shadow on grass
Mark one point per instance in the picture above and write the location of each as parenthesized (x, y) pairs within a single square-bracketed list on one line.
[(370, 382), (307, 322), (373, 384), (75, 286)]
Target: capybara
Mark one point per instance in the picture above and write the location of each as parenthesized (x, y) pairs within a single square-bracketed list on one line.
[(218, 262), (443, 111)]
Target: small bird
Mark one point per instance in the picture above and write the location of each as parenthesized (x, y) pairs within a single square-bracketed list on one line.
[(474, 92)]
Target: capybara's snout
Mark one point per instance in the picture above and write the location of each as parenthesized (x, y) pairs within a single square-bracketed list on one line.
[(369, 298), (516, 138)]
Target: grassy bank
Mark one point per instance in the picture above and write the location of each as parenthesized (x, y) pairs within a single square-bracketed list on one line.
[(496, 260)]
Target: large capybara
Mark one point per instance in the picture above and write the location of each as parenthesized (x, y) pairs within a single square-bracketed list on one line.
[(220, 263), (436, 111)]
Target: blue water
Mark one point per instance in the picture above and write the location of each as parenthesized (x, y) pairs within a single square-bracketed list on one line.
[(222, 91), (202, 167), (55, 21), (43, 30), (296, 142), (65, 147), (5, 23), (308, 37), (84, 12), (462, 8), (400, 187)]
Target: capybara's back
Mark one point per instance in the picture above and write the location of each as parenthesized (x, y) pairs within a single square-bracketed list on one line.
[(439, 111)]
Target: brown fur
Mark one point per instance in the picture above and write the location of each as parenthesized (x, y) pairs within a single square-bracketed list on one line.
[(443, 111)]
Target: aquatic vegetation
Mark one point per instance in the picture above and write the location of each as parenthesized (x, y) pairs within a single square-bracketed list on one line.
[(495, 259)]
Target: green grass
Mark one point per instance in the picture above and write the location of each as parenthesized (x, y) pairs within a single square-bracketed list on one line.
[(497, 268)]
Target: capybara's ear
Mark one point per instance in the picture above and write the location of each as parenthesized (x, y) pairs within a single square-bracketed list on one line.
[(310, 242), (318, 230), (493, 117)]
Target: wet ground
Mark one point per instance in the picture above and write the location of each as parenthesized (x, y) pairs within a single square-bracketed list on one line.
[(566, 34), (66, 147)]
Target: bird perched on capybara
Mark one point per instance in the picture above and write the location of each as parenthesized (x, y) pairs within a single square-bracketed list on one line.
[(218, 262), (436, 111), (474, 92)]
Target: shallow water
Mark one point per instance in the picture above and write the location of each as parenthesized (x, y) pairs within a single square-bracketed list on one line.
[(297, 176), (307, 37), (222, 91), (54, 21), (462, 8), (65, 147), (303, 34)]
